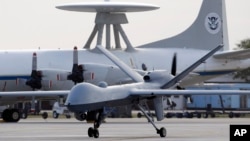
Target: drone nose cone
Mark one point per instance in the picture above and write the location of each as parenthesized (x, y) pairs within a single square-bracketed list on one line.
[(74, 95), (80, 94), (82, 97)]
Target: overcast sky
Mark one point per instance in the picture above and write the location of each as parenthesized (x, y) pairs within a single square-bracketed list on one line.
[(29, 24)]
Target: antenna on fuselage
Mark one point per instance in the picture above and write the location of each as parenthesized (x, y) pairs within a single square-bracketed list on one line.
[(108, 14)]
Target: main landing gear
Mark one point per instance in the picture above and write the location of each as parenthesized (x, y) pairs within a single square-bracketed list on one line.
[(162, 131), (11, 115), (98, 117)]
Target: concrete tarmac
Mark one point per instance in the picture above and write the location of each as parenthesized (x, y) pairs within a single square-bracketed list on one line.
[(124, 129)]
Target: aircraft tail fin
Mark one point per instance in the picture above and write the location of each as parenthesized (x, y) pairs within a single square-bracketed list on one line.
[(208, 30)]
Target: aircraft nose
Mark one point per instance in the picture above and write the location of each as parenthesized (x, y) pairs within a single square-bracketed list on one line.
[(74, 96), (80, 94)]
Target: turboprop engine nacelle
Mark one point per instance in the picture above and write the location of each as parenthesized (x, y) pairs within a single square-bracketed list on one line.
[(94, 73)]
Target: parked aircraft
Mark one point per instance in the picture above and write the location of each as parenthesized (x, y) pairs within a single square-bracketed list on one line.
[(205, 33), (91, 99)]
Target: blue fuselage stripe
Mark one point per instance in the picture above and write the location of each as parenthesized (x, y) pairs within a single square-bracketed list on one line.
[(209, 73), (14, 77), (202, 73)]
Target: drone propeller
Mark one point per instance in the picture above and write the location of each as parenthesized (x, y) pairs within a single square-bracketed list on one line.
[(144, 67), (184, 73)]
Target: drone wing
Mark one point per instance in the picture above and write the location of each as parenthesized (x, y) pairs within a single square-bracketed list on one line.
[(125, 68), (161, 92)]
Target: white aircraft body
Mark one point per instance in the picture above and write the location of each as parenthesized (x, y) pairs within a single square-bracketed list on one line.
[(55, 66)]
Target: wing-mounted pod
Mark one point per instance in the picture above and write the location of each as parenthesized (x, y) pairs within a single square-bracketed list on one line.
[(158, 104)]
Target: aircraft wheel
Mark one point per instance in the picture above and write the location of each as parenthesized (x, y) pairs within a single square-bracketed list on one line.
[(96, 133), (5, 115), (68, 116), (198, 115), (231, 115), (205, 115), (169, 115), (14, 115), (91, 132), (11, 115), (24, 115), (80, 116), (45, 115), (212, 115), (55, 114), (139, 115), (162, 132)]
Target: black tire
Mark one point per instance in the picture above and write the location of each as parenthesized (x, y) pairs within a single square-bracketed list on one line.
[(45, 115), (163, 132), (80, 116), (191, 115), (179, 115), (186, 114), (205, 115), (24, 115), (55, 115), (83, 116), (212, 115), (237, 115), (169, 115), (231, 115), (96, 133), (68, 116), (91, 132), (139, 115), (11, 115), (6, 115), (15, 115), (198, 115)]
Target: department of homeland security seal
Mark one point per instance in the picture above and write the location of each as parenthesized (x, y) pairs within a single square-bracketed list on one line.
[(213, 23)]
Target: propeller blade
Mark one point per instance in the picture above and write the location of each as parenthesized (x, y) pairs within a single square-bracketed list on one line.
[(174, 65), (77, 70), (75, 56), (34, 62), (35, 82)]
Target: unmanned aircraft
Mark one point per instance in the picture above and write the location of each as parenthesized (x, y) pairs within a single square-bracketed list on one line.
[(91, 100)]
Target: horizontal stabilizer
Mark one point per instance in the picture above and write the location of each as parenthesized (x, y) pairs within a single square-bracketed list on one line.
[(238, 54)]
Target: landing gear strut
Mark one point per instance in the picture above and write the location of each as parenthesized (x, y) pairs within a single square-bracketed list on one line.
[(162, 131), (98, 117)]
